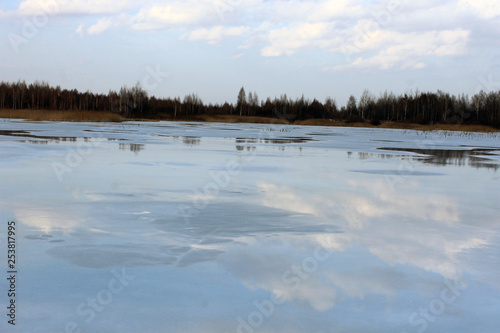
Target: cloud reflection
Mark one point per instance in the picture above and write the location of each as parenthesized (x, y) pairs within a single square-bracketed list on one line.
[(401, 227)]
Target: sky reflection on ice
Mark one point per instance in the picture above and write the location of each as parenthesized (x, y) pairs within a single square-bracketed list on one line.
[(391, 227)]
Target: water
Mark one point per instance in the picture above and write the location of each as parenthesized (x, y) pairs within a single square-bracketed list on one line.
[(188, 227)]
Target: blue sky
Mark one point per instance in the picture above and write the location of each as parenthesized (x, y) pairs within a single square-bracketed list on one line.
[(213, 47)]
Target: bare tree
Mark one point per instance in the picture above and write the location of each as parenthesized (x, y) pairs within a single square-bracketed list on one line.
[(366, 103)]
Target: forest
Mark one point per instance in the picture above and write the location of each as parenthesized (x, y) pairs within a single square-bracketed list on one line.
[(133, 102)]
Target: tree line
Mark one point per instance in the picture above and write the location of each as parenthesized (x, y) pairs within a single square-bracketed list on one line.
[(134, 102)]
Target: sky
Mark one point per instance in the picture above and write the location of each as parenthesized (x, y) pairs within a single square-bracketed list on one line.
[(214, 47)]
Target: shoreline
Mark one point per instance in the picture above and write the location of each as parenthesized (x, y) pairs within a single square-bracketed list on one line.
[(100, 116)]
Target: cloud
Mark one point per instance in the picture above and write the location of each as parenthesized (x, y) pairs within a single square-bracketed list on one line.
[(370, 280), (405, 50), (276, 275), (215, 34), (287, 41), (238, 55), (356, 209), (308, 11), (174, 14), (47, 221), (485, 8), (380, 33), (74, 7), (393, 226), (79, 30), (282, 197), (100, 27), (371, 36)]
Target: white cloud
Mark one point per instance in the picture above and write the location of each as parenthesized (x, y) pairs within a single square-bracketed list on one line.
[(326, 10), (406, 50), (378, 35), (287, 41), (485, 8), (380, 30), (79, 30), (238, 55), (370, 281), (282, 197), (215, 34), (177, 13), (309, 11), (47, 221), (61, 7), (100, 27), (275, 275), (391, 225)]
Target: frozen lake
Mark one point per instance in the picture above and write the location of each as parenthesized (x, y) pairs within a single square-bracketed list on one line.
[(208, 227)]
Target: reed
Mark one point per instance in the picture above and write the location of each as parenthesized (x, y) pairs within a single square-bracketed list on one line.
[(53, 115)]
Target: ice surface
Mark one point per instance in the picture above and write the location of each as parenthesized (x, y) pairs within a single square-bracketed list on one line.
[(251, 228)]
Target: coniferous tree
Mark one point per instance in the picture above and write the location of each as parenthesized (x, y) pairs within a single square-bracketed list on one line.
[(241, 102)]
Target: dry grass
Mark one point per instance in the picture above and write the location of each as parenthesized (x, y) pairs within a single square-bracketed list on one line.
[(226, 119), (441, 127), (396, 125), (41, 115), (316, 122), (328, 122), (242, 119), (100, 116)]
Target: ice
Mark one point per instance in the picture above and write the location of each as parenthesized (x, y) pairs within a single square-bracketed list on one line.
[(251, 227)]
